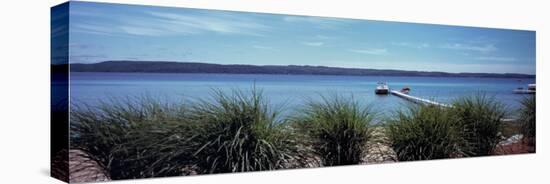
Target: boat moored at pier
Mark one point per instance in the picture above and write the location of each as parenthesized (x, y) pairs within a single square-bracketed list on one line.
[(382, 89)]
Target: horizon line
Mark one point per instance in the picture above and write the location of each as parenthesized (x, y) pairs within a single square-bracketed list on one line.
[(168, 61)]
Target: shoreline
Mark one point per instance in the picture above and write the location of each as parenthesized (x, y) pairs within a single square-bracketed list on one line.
[(329, 75)]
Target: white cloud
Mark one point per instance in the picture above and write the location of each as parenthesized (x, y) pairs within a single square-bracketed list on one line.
[(142, 31), (88, 28), (370, 51), (163, 24), (468, 47), (319, 22), (495, 58), (411, 45), (223, 23), (313, 44)]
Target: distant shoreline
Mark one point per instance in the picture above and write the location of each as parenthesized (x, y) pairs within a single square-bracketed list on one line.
[(183, 67), (305, 75)]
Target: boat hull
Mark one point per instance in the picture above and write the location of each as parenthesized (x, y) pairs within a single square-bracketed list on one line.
[(381, 91)]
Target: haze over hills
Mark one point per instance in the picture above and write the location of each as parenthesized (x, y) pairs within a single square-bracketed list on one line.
[(191, 67)]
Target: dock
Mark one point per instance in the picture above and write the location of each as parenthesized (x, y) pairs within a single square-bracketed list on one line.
[(417, 99), (524, 91)]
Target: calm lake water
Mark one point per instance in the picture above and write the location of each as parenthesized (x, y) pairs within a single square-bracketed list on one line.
[(288, 91)]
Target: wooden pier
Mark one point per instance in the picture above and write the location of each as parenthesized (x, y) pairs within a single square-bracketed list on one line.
[(417, 99), (430, 102)]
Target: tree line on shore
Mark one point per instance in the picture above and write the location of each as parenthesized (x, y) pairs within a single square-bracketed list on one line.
[(193, 67)]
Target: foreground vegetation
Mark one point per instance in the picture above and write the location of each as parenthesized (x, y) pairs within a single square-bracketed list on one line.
[(337, 129), (480, 122), (145, 138), (528, 119), (470, 128), (134, 138), (239, 131), (425, 133)]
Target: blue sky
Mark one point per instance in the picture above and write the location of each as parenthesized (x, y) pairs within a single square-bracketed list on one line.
[(101, 32)]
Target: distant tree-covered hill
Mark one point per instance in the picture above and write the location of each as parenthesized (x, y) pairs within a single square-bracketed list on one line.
[(189, 67)]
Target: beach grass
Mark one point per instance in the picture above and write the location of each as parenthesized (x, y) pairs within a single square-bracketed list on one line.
[(133, 137), (528, 118), (336, 128), (239, 132), (143, 137), (472, 126), (481, 122), (425, 132)]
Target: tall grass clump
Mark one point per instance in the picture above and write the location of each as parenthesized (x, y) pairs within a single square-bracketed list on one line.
[(239, 132), (337, 129), (133, 138), (481, 123), (528, 118), (425, 132)]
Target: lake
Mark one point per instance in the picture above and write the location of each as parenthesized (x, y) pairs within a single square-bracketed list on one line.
[(288, 91)]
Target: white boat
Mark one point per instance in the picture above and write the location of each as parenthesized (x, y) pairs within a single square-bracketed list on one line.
[(382, 89), (531, 89)]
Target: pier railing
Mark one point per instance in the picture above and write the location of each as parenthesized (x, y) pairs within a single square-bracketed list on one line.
[(418, 99), (431, 102)]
